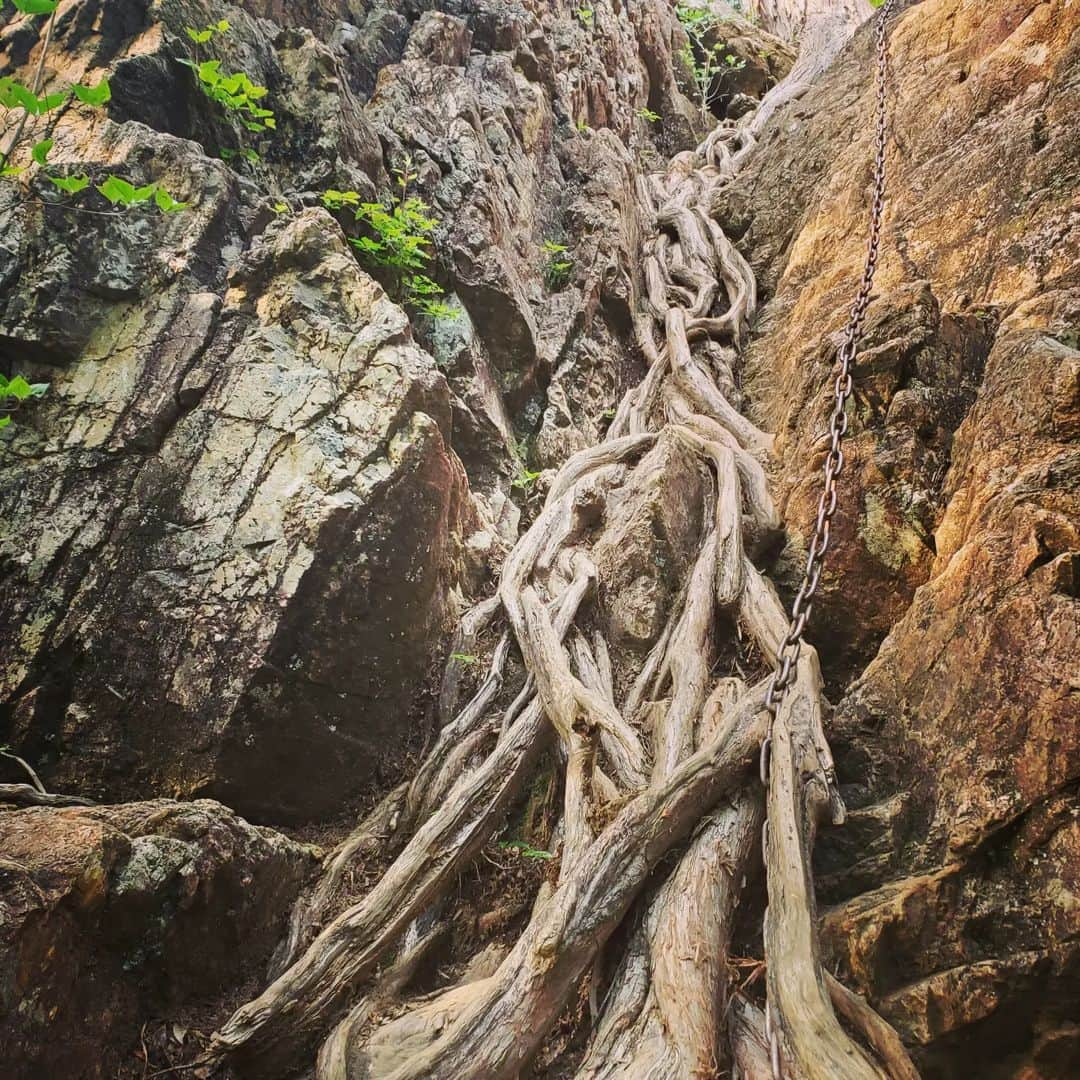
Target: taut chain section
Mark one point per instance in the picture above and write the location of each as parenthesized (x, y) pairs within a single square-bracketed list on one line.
[(791, 649)]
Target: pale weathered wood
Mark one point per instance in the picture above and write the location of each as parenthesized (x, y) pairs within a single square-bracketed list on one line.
[(674, 758)]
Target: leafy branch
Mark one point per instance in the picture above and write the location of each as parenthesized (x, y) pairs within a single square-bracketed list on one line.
[(705, 60), (235, 92), (31, 8), (397, 241)]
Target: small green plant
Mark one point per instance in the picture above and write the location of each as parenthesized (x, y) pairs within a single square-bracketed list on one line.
[(585, 16), (234, 92), (705, 60), (464, 658), (557, 267), (524, 478), (201, 37), (648, 115), (240, 98), (520, 847), (583, 126), (397, 242), (13, 392)]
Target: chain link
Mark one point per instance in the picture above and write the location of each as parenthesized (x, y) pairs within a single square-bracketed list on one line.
[(788, 656)]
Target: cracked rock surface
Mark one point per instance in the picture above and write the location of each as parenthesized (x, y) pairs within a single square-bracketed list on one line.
[(236, 534)]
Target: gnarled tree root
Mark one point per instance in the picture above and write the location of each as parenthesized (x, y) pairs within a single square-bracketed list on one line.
[(655, 758)]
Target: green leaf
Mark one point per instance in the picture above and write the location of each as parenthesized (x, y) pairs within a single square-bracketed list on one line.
[(37, 7), (367, 245), (52, 101), (93, 95), (222, 26), (14, 95), (117, 191), (280, 208), (39, 389), (208, 72), (4, 421), (10, 170), (166, 203), (464, 658), (41, 150), (18, 388), (200, 37)]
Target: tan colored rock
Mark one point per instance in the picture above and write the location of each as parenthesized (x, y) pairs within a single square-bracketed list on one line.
[(955, 883)]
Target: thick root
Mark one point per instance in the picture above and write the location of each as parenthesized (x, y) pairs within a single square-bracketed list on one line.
[(509, 1014), (665, 1018), (654, 756)]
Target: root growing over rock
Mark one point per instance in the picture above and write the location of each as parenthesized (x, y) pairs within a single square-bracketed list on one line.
[(661, 812)]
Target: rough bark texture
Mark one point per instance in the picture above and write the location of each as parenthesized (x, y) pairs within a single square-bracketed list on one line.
[(241, 530)]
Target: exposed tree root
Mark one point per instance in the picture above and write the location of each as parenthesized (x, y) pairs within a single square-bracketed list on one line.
[(661, 813), (34, 793), (28, 795)]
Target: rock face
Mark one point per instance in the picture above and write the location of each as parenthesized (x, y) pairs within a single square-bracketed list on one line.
[(235, 531), (955, 884), (237, 528), (112, 915)]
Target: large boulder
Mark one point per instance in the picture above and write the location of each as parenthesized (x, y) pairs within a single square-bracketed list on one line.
[(112, 915), (241, 592), (234, 529)]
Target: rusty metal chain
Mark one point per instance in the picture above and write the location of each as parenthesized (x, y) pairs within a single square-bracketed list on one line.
[(791, 648)]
